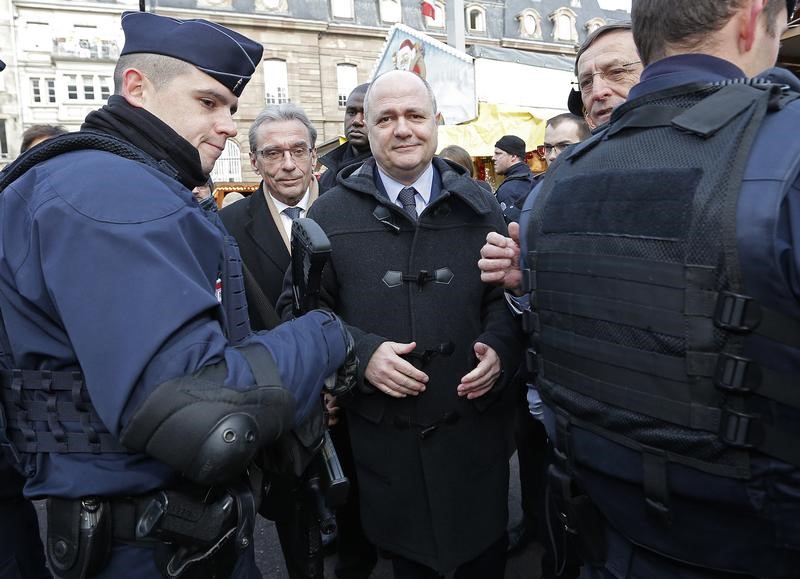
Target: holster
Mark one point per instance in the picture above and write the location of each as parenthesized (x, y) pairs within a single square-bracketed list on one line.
[(578, 515), (79, 536), (199, 539)]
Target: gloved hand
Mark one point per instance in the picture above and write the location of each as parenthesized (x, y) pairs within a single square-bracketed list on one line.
[(346, 377)]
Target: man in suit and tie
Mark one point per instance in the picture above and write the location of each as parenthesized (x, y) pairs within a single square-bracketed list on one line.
[(283, 154), (429, 424)]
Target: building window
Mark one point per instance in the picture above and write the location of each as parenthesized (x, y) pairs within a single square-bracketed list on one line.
[(105, 87), (346, 81), (594, 24), (229, 165), (530, 24), (564, 25), (36, 91), (342, 8), (72, 87), (437, 20), (390, 10), (476, 19), (276, 82), (51, 89), (88, 88)]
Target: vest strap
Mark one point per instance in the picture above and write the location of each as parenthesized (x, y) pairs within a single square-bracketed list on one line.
[(61, 423)]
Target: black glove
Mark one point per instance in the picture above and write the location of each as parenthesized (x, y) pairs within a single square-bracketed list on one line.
[(346, 377)]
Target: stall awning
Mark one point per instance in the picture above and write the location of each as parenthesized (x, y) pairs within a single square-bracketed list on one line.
[(479, 136)]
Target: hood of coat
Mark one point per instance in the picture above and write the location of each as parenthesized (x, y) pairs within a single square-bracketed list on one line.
[(456, 182)]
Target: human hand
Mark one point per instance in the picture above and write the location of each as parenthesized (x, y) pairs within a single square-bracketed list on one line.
[(483, 376), (499, 263), (331, 409), (393, 375)]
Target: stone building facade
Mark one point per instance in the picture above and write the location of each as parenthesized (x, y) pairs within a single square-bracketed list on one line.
[(60, 54)]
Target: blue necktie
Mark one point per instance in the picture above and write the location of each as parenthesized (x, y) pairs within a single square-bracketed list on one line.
[(408, 200), (292, 212)]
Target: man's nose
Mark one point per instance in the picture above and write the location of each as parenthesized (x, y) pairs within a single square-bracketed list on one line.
[(227, 125), (402, 127), (359, 119), (600, 88)]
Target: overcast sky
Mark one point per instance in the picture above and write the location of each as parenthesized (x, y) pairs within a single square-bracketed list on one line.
[(612, 4)]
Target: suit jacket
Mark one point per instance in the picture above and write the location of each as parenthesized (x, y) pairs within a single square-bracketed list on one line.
[(263, 244)]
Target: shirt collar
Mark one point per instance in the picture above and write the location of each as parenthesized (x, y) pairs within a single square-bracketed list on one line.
[(280, 205), (423, 184)]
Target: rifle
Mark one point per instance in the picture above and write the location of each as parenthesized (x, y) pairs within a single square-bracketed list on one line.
[(324, 477)]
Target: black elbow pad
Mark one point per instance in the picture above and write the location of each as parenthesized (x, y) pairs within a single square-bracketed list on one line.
[(206, 431)]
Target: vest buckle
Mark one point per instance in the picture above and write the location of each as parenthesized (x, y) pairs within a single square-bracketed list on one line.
[(736, 312), (736, 374), (740, 429)]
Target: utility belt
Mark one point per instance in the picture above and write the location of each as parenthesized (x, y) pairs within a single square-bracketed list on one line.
[(198, 533)]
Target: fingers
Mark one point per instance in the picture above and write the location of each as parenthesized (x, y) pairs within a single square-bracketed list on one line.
[(393, 375), (481, 379), (513, 231)]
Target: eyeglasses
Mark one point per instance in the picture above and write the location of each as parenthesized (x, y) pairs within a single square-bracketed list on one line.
[(544, 150), (298, 153), (614, 75)]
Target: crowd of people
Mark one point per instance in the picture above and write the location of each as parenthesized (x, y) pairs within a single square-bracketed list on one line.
[(627, 321)]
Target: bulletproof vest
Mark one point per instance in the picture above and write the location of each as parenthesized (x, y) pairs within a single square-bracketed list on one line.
[(638, 319), (34, 403)]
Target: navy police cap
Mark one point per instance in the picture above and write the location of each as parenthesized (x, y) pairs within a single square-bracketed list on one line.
[(221, 53)]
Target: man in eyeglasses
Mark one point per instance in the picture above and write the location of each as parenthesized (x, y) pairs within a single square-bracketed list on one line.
[(607, 65), (560, 132), (283, 153)]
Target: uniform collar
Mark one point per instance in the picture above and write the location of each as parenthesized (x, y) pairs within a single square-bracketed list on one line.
[(683, 69)]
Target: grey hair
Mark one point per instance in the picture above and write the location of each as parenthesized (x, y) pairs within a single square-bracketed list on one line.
[(277, 113)]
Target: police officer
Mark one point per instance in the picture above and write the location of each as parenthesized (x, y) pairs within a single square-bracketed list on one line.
[(661, 261), (138, 398)]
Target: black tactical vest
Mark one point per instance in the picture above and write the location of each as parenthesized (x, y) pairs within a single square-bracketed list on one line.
[(638, 315)]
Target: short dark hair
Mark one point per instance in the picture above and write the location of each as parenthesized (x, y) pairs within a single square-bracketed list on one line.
[(37, 133), (660, 24), (458, 155), (158, 68), (584, 132)]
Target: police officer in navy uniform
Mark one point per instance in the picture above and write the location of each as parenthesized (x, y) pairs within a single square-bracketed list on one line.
[(21, 550), (137, 397), (661, 259)]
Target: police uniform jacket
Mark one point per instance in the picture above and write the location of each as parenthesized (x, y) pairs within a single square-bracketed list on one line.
[(109, 267), (517, 184), (432, 469), (342, 156)]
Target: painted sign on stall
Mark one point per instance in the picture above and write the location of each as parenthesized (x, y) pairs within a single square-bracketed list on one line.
[(450, 73)]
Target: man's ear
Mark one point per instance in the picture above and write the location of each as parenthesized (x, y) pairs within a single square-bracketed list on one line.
[(749, 19), (134, 86), (253, 162)]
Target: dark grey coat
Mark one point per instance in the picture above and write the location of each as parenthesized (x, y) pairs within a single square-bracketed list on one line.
[(438, 499)]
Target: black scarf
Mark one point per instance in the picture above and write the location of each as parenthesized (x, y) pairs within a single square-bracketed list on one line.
[(147, 132)]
